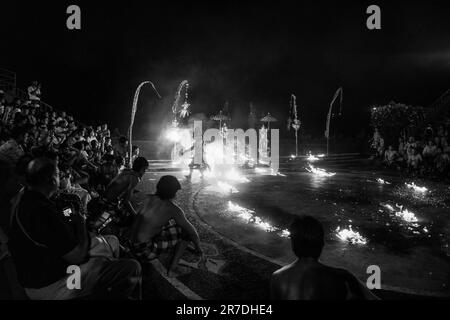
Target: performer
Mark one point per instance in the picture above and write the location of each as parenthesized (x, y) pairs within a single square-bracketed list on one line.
[(200, 167)]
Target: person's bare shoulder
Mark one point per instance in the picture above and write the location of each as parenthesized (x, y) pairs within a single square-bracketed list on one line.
[(175, 210), (344, 274), (282, 273)]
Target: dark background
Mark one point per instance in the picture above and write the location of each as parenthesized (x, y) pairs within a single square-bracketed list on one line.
[(229, 51)]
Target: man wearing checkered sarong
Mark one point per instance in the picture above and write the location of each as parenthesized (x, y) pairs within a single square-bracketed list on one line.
[(161, 225)]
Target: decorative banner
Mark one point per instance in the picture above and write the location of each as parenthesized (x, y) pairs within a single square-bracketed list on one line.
[(296, 123), (185, 112), (133, 114), (177, 100), (339, 92), (294, 106)]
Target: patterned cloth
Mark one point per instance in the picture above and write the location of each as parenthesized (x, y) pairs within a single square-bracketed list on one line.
[(168, 238)]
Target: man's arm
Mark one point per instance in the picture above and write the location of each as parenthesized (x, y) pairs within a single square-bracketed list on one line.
[(127, 197), (72, 246), (356, 289), (180, 219), (274, 287), (79, 254)]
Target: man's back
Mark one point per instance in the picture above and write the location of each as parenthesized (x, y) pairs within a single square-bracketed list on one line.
[(39, 239), (154, 215), (122, 185), (312, 280)]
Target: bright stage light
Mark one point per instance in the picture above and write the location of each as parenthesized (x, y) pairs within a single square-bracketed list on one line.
[(173, 135), (226, 188)]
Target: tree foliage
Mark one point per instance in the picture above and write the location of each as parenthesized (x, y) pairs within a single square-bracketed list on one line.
[(395, 119)]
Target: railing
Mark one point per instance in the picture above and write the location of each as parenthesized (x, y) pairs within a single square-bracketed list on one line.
[(23, 95), (8, 83), (442, 101), (8, 80), (439, 107)]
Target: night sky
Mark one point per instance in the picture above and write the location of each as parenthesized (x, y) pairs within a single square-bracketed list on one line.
[(229, 51)]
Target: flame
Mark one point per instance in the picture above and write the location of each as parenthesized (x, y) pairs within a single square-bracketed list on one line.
[(406, 215), (388, 206), (260, 170), (226, 188), (311, 157), (285, 233), (319, 171), (250, 217), (381, 181), (416, 188), (243, 213), (234, 175), (351, 236)]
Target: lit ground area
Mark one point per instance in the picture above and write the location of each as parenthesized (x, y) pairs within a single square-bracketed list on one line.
[(241, 223)]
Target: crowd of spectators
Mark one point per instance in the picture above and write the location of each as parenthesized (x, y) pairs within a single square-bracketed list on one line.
[(49, 163), (427, 155), (89, 155)]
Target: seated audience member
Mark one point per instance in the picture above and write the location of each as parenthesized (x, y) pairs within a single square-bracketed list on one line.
[(122, 186), (381, 147), (46, 240), (108, 170), (308, 279), (120, 161), (121, 148), (401, 147), (68, 187), (429, 151), (390, 156), (34, 92), (83, 161), (414, 160), (91, 136), (442, 161), (13, 149), (105, 131), (162, 225), (135, 152), (410, 145)]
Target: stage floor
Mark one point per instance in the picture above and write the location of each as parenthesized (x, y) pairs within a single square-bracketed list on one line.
[(414, 257)]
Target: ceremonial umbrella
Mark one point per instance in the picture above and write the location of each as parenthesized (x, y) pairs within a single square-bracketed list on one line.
[(220, 117), (268, 119)]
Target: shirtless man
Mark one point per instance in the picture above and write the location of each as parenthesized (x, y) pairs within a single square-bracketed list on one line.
[(307, 278), (161, 225), (122, 186)]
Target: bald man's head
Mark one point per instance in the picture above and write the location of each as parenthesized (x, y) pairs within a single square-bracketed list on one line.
[(43, 173)]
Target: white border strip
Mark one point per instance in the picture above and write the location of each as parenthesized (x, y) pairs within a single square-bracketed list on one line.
[(188, 293)]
